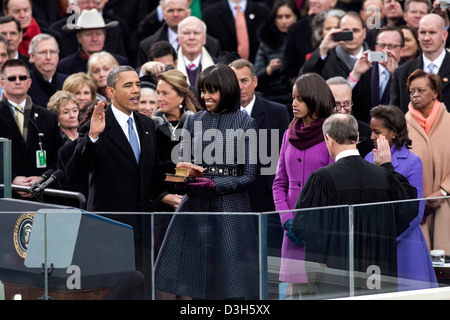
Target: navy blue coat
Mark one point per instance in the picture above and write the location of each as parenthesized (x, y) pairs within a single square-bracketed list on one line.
[(41, 90)]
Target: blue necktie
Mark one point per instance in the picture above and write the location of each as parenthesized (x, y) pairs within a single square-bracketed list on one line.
[(431, 67), (133, 139), (383, 81)]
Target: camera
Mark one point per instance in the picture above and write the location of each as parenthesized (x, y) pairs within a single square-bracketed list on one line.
[(375, 56), (343, 36), (169, 68), (444, 4)]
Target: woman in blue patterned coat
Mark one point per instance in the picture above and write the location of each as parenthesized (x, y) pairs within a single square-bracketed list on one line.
[(208, 255)]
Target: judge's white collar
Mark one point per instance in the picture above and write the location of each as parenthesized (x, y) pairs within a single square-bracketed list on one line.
[(347, 153)]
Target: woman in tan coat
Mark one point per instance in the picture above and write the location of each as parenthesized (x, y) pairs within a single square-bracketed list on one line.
[(429, 128)]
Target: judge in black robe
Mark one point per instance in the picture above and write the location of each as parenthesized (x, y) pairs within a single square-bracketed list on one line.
[(350, 181)]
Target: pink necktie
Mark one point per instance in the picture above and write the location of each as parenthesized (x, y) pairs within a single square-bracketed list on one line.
[(242, 35)]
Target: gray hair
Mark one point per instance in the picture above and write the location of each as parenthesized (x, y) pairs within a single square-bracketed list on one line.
[(38, 38), (318, 20), (341, 127), (241, 63), (338, 81), (190, 19), (113, 75)]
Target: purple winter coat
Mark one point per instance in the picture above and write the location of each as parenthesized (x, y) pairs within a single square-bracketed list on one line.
[(415, 270), (294, 168)]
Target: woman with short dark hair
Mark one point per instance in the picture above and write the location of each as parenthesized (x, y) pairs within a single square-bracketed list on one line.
[(214, 256), (414, 267), (428, 126)]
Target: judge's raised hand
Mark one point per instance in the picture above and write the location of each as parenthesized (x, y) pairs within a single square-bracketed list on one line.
[(97, 120), (382, 154)]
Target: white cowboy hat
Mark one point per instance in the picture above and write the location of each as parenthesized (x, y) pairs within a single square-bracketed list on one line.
[(88, 19)]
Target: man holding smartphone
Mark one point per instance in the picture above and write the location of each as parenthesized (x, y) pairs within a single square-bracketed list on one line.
[(340, 48), (371, 75)]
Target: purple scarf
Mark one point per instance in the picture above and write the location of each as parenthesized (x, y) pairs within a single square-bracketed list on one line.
[(305, 137)]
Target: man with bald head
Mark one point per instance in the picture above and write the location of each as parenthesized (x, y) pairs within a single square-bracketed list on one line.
[(434, 59)]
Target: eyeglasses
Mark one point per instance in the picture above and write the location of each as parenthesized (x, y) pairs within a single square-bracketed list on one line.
[(346, 105), (390, 46), (14, 78)]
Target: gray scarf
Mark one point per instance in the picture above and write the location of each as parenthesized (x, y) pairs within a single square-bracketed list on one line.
[(345, 57)]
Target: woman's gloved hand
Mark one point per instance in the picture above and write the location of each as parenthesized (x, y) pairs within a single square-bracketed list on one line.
[(205, 183), (290, 234)]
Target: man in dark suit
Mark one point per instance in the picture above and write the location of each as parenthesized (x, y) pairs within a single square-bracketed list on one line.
[(193, 57), (352, 180), (334, 58), (272, 120), (342, 93), (298, 41), (12, 31), (45, 80), (122, 179), (220, 21), (371, 81), (174, 11), (91, 34), (22, 122), (432, 37)]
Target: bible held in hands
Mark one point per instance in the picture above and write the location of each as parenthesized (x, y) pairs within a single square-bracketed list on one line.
[(182, 175)]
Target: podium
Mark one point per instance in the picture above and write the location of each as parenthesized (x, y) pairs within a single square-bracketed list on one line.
[(92, 253)]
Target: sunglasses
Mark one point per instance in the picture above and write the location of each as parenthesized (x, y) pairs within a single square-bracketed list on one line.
[(14, 78)]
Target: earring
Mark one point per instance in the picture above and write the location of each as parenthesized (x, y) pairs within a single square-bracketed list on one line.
[(181, 106)]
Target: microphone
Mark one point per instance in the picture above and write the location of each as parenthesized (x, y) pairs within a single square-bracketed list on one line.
[(44, 177), (40, 134), (54, 177)]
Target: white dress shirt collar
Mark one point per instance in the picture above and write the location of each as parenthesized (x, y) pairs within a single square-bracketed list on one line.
[(347, 153), (249, 107), (122, 119), (241, 4), (438, 61)]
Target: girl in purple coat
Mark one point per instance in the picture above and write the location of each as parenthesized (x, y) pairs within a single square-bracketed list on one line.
[(303, 151), (414, 267)]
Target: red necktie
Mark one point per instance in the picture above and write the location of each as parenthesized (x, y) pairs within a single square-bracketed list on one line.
[(242, 35)]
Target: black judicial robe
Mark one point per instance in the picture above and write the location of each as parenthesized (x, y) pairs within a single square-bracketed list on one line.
[(352, 180)]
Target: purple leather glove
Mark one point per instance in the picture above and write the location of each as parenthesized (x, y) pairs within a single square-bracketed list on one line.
[(205, 183)]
